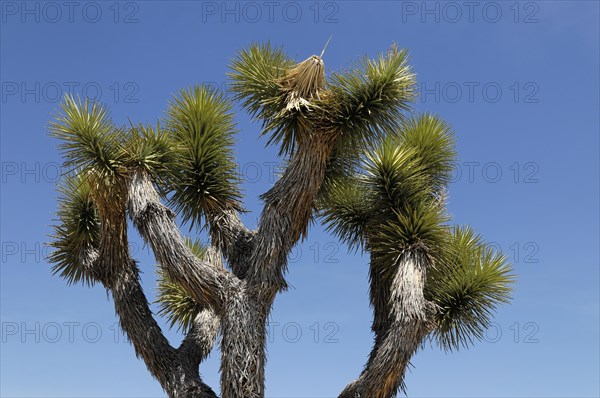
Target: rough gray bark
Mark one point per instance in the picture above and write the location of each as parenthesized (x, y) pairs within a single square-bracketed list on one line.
[(285, 217), (232, 238), (208, 285), (111, 264), (239, 303), (243, 344), (242, 299), (400, 324)]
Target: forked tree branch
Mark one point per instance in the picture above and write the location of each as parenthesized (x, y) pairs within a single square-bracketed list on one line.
[(229, 234), (207, 285), (311, 119), (200, 339), (288, 210), (172, 368)]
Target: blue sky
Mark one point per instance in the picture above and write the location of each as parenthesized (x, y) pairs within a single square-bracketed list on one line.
[(519, 83)]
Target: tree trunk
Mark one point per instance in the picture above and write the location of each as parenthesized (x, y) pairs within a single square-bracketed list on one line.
[(243, 344), (399, 331)]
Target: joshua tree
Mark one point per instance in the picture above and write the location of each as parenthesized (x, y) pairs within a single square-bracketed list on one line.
[(354, 157)]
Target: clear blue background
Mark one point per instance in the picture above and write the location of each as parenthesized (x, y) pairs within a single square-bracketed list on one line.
[(527, 179)]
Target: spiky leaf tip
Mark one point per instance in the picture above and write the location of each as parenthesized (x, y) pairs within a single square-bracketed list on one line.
[(368, 101), (433, 142), (77, 232), (89, 139), (345, 211), (255, 74), (394, 174), (151, 149), (467, 287), (204, 176)]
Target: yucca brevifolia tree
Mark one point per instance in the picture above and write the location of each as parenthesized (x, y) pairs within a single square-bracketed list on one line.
[(353, 155)]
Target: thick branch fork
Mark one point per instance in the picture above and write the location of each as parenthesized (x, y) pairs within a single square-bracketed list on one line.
[(207, 284), (175, 369), (243, 299)]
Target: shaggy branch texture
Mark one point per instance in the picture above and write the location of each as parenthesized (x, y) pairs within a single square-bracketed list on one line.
[(207, 284), (401, 323), (229, 234), (287, 213), (289, 204), (234, 301), (111, 264)]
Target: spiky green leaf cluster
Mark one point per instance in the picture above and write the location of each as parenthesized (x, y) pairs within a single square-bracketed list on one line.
[(254, 74), (432, 139), (149, 148), (175, 303), (263, 81), (90, 141), (92, 144), (467, 286), (394, 191), (396, 203), (191, 157), (418, 228), (204, 175), (404, 215), (394, 176), (346, 211), (368, 101), (301, 86), (384, 188), (362, 104), (77, 232)]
